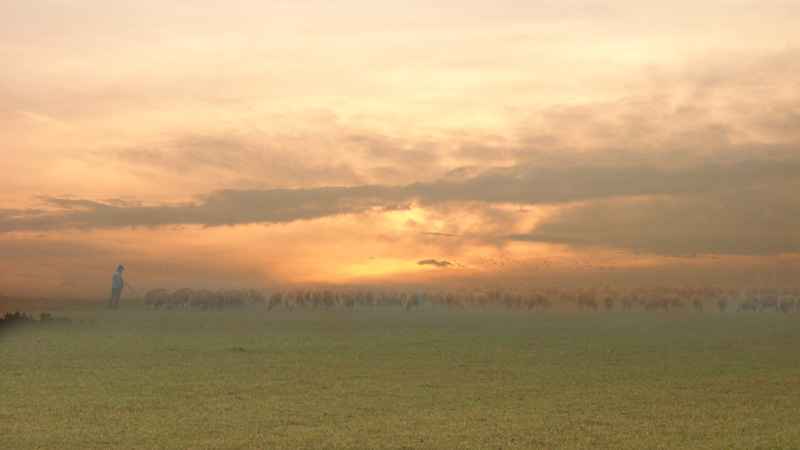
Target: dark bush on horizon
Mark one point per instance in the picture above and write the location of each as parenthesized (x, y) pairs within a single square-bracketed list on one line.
[(17, 318)]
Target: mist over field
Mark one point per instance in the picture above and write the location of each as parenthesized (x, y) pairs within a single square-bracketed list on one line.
[(436, 375)]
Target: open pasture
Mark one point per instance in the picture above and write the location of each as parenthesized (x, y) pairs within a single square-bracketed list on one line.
[(385, 378)]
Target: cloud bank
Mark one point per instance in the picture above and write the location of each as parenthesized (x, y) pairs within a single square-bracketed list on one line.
[(742, 206)]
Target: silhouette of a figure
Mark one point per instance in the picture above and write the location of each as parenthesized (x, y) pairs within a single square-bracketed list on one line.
[(117, 283)]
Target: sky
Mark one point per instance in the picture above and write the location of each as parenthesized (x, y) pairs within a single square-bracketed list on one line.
[(267, 144)]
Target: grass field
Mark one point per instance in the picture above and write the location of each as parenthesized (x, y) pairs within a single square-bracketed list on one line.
[(384, 378)]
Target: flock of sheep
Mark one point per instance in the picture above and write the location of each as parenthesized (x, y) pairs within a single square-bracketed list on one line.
[(783, 299), (291, 298)]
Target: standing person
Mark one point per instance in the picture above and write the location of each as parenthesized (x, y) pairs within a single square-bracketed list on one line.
[(117, 284)]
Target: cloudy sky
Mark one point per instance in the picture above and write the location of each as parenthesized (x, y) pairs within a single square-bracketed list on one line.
[(211, 144)]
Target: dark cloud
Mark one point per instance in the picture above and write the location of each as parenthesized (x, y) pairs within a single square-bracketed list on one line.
[(232, 207), (741, 204), (224, 207), (433, 262), (556, 185), (755, 220)]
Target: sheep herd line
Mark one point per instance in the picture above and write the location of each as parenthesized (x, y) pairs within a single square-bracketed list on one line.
[(754, 299)]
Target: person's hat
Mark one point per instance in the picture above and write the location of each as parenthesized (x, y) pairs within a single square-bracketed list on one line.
[(120, 267)]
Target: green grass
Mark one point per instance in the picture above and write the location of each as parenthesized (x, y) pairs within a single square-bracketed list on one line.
[(429, 379)]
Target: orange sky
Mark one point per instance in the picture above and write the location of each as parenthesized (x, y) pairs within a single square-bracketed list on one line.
[(305, 142)]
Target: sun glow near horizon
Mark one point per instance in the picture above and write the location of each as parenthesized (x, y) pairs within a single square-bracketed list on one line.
[(304, 142)]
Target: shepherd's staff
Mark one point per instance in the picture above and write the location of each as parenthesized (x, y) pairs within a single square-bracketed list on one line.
[(129, 287)]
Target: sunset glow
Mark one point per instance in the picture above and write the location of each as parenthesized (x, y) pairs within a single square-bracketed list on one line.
[(301, 142)]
